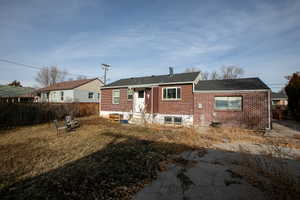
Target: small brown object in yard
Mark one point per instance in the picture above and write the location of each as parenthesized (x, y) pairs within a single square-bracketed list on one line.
[(59, 129)]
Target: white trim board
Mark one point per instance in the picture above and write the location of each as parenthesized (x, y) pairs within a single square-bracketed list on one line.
[(230, 91), (148, 85)]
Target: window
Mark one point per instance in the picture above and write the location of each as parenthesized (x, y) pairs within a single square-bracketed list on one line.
[(62, 96), (177, 120), (171, 93), (168, 120), (129, 94), (228, 103), (98, 96), (91, 95), (141, 94), (173, 120), (116, 96)]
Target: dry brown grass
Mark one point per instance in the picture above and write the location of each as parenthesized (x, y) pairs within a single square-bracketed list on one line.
[(107, 159), (270, 172), (28, 152)]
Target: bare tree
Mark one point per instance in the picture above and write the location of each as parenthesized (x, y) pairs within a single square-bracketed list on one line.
[(204, 75), (81, 77), (214, 75), (231, 72), (15, 83), (192, 69), (50, 75)]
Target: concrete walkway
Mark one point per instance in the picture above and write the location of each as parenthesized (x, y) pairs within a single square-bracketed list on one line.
[(210, 177)]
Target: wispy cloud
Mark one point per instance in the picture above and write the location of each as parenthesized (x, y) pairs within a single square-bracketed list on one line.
[(147, 41)]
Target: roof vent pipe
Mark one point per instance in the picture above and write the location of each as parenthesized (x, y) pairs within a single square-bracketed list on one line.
[(171, 71)]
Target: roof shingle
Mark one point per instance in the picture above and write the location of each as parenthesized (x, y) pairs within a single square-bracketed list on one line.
[(160, 79), (13, 91), (66, 85), (231, 84)]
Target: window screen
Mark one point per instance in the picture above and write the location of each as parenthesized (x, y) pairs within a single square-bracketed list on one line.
[(168, 120), (171, 93), (116, 97), (177, 120), (91, 94), (141, 94), (129, 94)]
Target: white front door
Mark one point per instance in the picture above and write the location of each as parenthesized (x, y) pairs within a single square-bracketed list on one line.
[(139, 101)]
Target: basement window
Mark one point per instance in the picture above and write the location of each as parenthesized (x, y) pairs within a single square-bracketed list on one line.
[(228, 103), (173, 120), (168, 120), (178, 120)]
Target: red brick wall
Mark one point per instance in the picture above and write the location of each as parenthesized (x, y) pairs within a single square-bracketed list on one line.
[(106, 101), (254, 113), (180, 107)]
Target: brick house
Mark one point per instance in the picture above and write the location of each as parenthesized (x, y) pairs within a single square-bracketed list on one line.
[(186, 99)]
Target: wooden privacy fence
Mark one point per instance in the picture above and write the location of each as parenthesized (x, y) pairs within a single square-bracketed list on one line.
[(17, 114)]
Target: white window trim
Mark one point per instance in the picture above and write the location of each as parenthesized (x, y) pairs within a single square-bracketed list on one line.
[(166, 99), (112, 96), (131, 94), (218, 109)]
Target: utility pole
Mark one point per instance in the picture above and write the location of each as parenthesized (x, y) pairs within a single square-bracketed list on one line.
[(105, 67)]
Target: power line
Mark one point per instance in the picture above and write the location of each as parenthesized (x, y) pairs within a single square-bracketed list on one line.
[(34, 67)]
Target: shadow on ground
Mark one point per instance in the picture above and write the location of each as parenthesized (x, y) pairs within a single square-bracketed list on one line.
[(118, 171), (291, 124)]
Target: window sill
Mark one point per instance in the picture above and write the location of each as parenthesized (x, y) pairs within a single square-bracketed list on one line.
[(215, 110), (171, 99)]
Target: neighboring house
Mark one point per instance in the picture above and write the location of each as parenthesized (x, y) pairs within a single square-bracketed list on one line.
[(279, 99), (86, 90), (14, 94), (185, 99)]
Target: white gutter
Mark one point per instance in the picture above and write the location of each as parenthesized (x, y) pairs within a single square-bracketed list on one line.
[(147, 85), (231, 91)]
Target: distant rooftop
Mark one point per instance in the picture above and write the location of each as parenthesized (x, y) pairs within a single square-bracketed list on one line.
[(13, 91), (279, 95), (67, 85)]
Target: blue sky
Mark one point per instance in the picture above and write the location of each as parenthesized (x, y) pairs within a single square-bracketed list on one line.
[(146, 37)]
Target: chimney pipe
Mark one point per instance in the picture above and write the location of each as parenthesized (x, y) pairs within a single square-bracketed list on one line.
[(171, 71)]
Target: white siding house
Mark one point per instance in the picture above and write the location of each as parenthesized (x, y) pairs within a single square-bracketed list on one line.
[(87, 90)]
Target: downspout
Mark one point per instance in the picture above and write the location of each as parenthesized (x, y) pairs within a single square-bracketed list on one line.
[(152, 103), (269, 109)]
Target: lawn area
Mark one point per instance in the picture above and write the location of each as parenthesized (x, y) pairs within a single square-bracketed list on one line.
[(100, 160)]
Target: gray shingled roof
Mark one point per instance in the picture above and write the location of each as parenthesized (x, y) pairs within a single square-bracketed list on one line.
[(67, 85), (12, 91), (160, 79), (231, 84), (279, 95)]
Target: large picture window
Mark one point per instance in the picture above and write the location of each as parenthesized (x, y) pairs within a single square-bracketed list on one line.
[(116, 96), (171, 93), (228, 103)]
